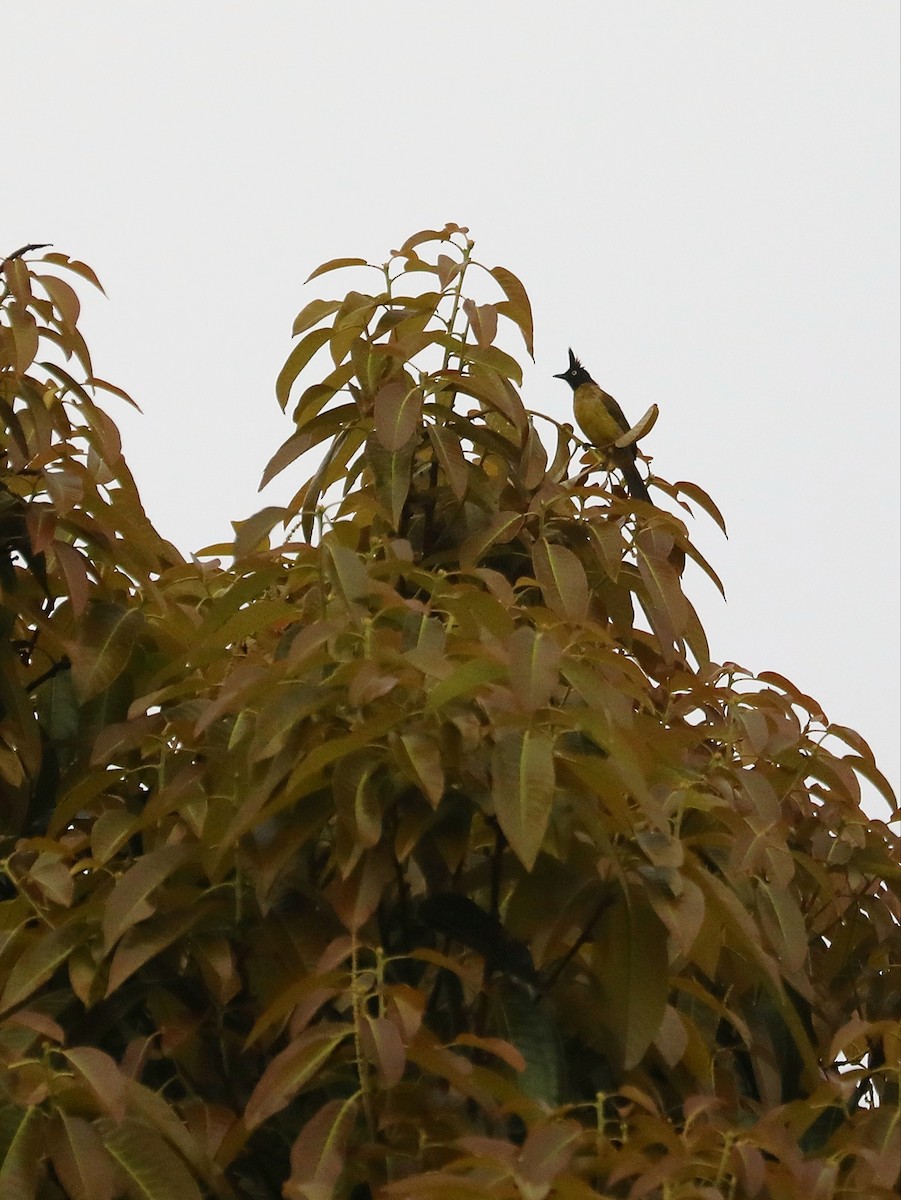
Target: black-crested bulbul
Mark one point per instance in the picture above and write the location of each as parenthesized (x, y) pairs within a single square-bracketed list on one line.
[(603, 421)]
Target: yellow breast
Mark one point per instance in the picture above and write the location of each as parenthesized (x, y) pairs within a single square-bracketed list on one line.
[(599, 425)]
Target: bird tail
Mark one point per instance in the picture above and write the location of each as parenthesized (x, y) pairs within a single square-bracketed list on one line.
[(634, 481)]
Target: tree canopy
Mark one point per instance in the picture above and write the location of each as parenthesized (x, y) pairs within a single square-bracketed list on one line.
[(410, 844)]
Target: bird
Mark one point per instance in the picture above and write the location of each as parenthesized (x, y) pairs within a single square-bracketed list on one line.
[(603, 422)]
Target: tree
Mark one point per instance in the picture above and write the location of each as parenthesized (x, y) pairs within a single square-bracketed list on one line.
[(419, 850)]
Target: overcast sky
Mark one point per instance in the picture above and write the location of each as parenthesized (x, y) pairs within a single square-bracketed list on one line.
[(701, 197)]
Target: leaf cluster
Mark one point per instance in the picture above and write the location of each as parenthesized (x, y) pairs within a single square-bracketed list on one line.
[(419, 849)]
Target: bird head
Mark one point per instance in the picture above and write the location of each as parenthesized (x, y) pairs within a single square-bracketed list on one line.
[(575, 374)]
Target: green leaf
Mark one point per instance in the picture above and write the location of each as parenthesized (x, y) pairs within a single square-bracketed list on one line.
[(464, 681), (102, 645), (312, 313), (23, 1165), (632, 966), (392, 470), (562, 579), (502, 527), (522, 788), (316, 430), (291, 1069), (534, 662), (153, 1169), (450, 455), (533, 1029), (38, 961), (128, 902), (296, 361), (143, 942), (784, 925)]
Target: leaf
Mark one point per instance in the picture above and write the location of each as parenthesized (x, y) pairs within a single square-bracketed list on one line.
[(357, 801), (502, 1049), (318, 1157), (784, 924), (296, 361), (63, 297), (562, 579), (392, 471), (39, 960), (502, 527), (419, 757), (664, 601), (153, 1169), (335, 264), (22, 1166), (75, 568), (287, 1073), (868, 769), (464, 680), (143, 942), (516, 307), (314, 431), (72, 264), (128, 902), (383, 1045), (102, 645), (640, 429), (103, 1077), (312, 314), (450, 455), (700, 497), (52, 876), (534, 663), (351, 576), (532, 1028), (632, 967), (80, 1160), (482, 320), (522, 788), (253, 533), (546, 1153), (397, 414)]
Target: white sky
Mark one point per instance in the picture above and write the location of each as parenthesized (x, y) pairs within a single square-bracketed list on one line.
[(701, 197)]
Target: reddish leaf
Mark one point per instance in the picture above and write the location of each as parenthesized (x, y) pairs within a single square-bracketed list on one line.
[(80, 1159), (291, 1069), (397, 414), (318, 1156), (102, 1076), (335, 264), (516, 306)]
